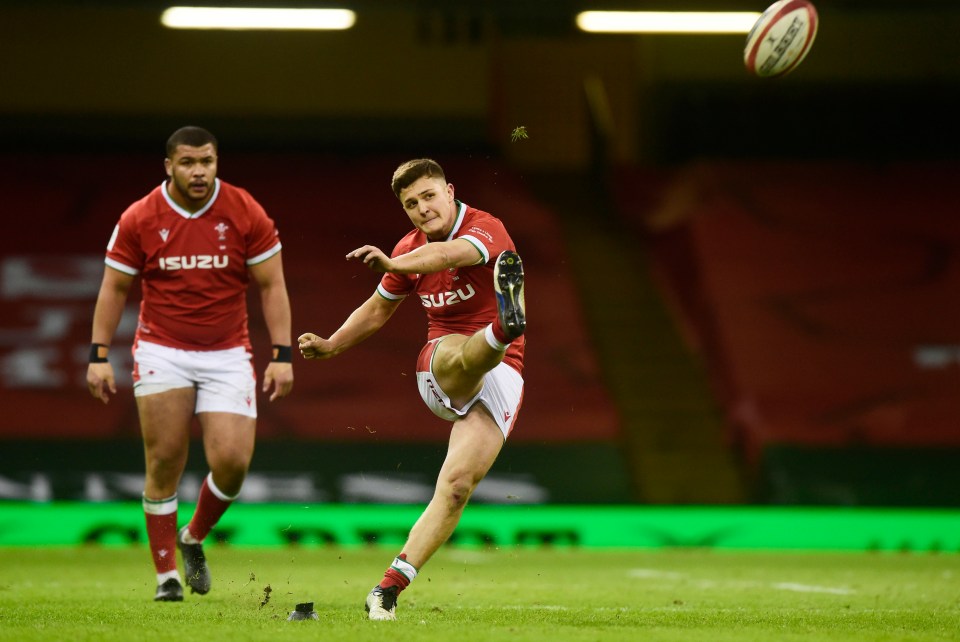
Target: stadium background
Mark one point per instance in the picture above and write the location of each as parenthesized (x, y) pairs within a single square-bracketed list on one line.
[(741, 291)]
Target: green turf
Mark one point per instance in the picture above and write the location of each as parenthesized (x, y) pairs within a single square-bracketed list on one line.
[(105, 593)]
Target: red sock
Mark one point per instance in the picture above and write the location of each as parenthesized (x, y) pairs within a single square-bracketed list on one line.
[(498, 332), (162, 535), (393, 577), (211, 505)]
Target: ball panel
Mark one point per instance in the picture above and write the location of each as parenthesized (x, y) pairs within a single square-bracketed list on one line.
[(781, 38)]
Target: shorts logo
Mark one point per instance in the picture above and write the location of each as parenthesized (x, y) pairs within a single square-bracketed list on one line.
[(194, 262), (436, 394), (447, 298)]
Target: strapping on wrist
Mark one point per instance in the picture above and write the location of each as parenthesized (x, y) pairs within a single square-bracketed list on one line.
[(98, 353), (282, 354)]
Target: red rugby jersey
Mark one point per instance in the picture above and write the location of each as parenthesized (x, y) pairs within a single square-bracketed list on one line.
[(458, 300), (193, 266)]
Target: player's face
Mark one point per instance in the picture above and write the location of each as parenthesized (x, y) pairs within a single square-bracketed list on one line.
[(191, 171), (429, 204)]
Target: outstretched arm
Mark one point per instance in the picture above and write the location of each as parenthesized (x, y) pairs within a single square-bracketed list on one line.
[(362, 322), (426, 259)]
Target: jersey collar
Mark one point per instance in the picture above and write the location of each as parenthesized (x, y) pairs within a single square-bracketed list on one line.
[(461, 211), (184, 213)]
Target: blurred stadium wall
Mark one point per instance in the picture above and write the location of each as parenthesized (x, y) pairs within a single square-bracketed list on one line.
[(666, 197)]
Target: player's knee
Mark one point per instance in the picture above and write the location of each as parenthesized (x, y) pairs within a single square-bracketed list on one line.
[(457, 491), (161, 463), (229, 476)]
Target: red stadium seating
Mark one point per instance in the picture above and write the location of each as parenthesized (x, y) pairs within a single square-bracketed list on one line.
[(59, 214), (823, 297)]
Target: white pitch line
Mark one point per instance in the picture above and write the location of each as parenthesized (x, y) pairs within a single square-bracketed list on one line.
[(657, 574), (806, 588)]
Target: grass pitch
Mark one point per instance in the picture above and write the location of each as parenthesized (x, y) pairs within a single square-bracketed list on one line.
[(105, 593)]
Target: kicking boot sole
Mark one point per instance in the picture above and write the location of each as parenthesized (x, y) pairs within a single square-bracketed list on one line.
[(508, 283)]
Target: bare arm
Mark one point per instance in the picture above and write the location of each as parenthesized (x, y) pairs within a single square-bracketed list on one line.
[(106, 317), (362, 323), (426, 259), (268, 276)]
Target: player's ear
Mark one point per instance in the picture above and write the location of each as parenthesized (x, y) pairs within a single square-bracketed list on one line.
[(450, 190), (168, 166)]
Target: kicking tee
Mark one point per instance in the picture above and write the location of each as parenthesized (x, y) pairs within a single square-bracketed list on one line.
[(458, 300), (193, 265)]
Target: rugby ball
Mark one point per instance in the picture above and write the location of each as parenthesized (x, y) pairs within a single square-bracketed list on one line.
[(781, 38)]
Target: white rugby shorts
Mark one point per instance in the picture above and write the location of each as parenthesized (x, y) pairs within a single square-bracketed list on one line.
[(224, 379), (501, 394)]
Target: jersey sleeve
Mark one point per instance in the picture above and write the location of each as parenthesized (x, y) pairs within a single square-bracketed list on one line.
[(124, 251), (397, 286), (488, 235)]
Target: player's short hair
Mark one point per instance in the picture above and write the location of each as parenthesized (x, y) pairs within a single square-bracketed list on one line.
[(413, 170), (191, 137)]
